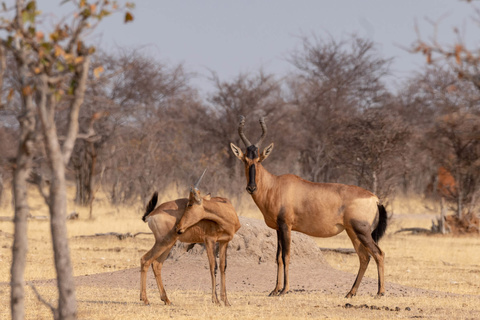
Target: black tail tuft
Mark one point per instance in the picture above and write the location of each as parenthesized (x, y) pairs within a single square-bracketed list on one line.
[(151, 205), (379, 231)]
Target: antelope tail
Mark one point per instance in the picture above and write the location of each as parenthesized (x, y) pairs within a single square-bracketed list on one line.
[(379, 231), (150, 206)]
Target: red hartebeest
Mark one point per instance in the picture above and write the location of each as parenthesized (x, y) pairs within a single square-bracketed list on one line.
[(194, 220), (289, 202)]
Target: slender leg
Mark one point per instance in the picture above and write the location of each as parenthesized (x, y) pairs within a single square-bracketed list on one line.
[(223, 266), (209, 245), (379, 257), (157, 270), (364, 258), (279, 266), (374, 250), (145, 263), (286, 239)]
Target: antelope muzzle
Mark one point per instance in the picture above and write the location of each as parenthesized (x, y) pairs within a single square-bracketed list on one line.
[(252, 186), (179, 230)]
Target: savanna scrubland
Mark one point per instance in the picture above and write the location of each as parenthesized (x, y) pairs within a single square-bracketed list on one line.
[(334, 118), (428, 276)]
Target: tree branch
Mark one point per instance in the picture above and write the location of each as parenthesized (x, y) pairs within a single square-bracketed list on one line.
[(79, 96)]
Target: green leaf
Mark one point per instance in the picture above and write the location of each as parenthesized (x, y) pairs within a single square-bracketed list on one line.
[(86, 13), (31, 6), (28, 16), (47, 45), (103, 13), (31, 30)]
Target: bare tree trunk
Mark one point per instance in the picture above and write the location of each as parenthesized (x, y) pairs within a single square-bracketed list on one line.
[(58, 159), (459, 203), (67, 305), (442, 216), (20, 242), (85, 165), (21, 173), (375, 182)]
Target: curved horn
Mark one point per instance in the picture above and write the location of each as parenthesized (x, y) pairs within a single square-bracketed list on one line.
[(241, 134), (264, 132), (199, 179)]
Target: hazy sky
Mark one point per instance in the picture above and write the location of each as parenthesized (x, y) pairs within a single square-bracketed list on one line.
[(230, 37)]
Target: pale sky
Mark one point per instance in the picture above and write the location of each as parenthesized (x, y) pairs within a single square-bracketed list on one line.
[(230, 37)]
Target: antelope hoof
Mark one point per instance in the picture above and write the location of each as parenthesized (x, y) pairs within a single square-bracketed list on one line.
[(146, 302), (167, 302), (284, 292), (274, 293), (350, 295), (379, 295), (227, 304)]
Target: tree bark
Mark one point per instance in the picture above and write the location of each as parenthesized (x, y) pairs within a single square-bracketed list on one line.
[(21, 173), (58, 159), (20, 242), (67, 304)]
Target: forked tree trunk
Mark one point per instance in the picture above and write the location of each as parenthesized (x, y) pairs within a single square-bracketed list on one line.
[(67, 305), (58, 158)]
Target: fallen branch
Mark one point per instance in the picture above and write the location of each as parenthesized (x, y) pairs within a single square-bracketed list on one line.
[(30, 217), (414, 230), (339, 250), (40, 298), (120, 236)]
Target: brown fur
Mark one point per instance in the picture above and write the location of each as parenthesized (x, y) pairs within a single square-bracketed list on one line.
[(205, 221), (289, 202)]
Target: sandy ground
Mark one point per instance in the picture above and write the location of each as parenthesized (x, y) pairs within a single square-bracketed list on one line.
[(250, 268)]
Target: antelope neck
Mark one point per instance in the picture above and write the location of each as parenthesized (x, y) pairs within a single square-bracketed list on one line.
[(214, 213), (264, 179)]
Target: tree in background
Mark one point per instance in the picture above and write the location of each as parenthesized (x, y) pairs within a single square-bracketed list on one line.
[(52, 70), (253, 96), (334, 81), (455, 131)]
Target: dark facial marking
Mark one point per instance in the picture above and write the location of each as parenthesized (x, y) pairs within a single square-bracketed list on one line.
[(252, 152), (251, 187)]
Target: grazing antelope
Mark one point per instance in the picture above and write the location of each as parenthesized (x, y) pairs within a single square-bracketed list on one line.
[(194, 220), (289, 202)]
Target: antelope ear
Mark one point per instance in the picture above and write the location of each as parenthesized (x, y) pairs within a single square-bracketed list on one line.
[(266, 152), (208, 197), (237, 151)]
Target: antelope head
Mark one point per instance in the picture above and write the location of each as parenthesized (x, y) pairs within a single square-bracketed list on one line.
[(194, 211), (251, 158)]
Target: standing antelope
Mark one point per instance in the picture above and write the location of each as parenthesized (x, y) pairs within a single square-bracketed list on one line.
[(194, 220), (289, 202)]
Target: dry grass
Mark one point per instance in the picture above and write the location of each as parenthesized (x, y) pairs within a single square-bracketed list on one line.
[(447, 264)]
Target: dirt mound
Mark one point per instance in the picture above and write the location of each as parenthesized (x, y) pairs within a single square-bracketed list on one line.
[(258, 243)]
